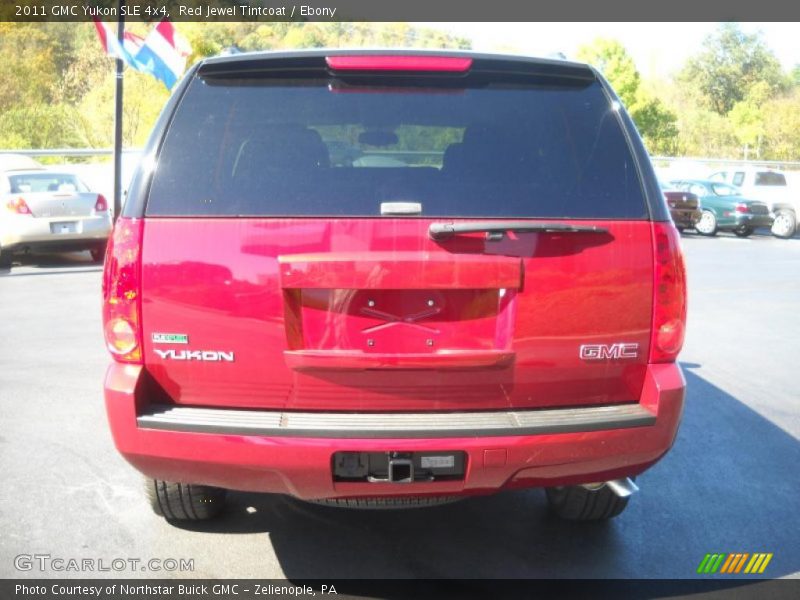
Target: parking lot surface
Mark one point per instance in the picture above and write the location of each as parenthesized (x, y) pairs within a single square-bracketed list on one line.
[(730, 484)]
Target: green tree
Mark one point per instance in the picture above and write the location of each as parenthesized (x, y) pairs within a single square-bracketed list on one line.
[(704, 133), (656, 123), (614, 62), (781, 121), (794, 76), (729, 65)]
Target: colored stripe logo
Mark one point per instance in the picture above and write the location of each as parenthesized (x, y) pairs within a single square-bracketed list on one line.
[(733, 563)]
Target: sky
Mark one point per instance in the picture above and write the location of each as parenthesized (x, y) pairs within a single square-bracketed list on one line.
[(658, 49)]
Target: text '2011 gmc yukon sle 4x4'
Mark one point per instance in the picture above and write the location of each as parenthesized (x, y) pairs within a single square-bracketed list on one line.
[(394, 279)]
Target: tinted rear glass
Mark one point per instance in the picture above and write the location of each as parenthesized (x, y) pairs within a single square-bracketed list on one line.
[(313, 147), (769, 178)]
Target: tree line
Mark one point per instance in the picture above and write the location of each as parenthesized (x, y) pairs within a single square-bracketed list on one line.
[(730, 100)]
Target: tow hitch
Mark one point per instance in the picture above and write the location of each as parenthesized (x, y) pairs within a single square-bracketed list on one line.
[(398, 467), (401, 470)]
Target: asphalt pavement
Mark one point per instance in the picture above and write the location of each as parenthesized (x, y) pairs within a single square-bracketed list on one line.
[(730, 484)]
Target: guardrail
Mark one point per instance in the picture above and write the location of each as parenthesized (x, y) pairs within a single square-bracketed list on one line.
[(76, 152), (788, 165)]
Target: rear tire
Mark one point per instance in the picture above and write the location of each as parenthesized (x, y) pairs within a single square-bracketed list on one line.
[(5, 259), (184, 501), (707, 225), (576, 503), (743, 232), (784, 225)]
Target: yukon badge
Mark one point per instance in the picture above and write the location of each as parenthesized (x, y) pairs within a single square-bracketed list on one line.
[(205, 355), (608, 351)]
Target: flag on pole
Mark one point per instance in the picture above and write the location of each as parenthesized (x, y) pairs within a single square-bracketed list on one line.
[(162, 53), (131, 43)]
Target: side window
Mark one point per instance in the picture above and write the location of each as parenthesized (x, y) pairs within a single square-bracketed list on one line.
[(719, 176), (697, 189), (738, 178)]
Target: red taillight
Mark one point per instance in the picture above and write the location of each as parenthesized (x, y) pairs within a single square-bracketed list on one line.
[(450, 64), (19, 206), (101, 205), (121, 292), (669, 295), (742, 208)]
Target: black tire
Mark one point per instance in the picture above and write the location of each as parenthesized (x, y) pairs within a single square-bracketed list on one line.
[(707, 225), (680, 229), (743, 232), (387, 503), (5, 260), (184, 501), (577, 503), (785, 224), (98, 254)]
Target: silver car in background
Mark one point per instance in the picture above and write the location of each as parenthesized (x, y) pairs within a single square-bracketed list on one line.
[(49, 210)]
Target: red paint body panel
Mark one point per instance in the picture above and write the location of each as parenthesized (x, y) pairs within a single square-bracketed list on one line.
[(501, 321), (302, 466)]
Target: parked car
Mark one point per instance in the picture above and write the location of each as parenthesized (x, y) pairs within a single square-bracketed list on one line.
[(725, 208), (684, 207), (768, 186), (43, 209), (398, 336)]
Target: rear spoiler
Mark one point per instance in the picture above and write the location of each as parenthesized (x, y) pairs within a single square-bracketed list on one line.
[(326, 61)]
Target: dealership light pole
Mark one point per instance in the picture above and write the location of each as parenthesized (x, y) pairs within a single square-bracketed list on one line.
[(118, 115)]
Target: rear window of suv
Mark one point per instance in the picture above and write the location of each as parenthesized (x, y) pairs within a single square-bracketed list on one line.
[(263, 146), (770, 178)]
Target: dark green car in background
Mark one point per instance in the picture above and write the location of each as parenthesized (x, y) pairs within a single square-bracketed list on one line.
[(724, 208)]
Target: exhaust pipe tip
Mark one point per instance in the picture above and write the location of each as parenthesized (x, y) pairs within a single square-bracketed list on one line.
[(623, 488)]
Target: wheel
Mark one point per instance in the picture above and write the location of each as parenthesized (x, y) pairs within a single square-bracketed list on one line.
[(680, 229), (743, 232), (578, 503), (5, 259), (184, 501), (98, 254), (785, 224), (387, 503), (707, 225)]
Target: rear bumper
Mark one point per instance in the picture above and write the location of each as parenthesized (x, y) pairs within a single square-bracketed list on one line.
[(37, 233), (686, 217), (292, 453), (745, 220)]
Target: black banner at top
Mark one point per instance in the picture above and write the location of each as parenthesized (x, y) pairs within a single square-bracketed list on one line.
[(393, 10)]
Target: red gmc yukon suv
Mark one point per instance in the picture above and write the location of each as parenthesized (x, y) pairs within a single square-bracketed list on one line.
[(393, 279)]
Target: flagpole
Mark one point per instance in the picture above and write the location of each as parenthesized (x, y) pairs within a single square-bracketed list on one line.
[(118, 115)]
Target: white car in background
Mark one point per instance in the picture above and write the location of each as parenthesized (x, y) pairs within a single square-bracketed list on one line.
[(768, 186), (48, 210)]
